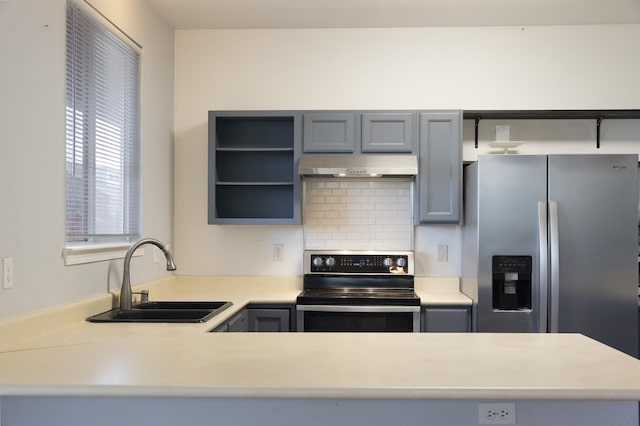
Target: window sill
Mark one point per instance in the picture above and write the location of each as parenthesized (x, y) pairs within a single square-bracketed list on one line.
[(77, 255)]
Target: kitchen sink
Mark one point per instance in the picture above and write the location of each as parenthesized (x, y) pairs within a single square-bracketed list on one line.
[(162, 305), (170, 311)]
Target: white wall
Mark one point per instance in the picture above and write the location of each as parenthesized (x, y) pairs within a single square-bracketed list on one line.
[(577, 67), (32, 165)]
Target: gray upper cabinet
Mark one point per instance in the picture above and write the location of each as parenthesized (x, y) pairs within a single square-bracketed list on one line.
[(252, 173), (388, 132), (358, 132), (253, 155), (329, 132), (440, 167)]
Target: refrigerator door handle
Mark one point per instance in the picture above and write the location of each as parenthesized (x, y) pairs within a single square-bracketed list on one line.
[(543, 253), (555, 267)]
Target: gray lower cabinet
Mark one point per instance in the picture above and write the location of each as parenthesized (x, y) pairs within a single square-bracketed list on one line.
[(269, 320), (440, 167), (237, 323), (446, 319), (260, 318)]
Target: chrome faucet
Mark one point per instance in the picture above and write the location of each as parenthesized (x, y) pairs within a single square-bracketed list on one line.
[(125, 291)]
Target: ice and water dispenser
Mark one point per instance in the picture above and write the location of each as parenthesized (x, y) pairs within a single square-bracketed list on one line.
[(511, 277)]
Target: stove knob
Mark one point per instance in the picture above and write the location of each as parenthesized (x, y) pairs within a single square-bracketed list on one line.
[(387, 262), (330, 261), (317, 261), (401, 262)]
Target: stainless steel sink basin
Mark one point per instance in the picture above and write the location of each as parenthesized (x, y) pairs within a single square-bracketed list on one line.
[(164, 312)]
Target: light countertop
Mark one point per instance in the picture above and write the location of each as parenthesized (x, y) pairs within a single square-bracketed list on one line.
[(144, 361), (241, 290), (184, 360)]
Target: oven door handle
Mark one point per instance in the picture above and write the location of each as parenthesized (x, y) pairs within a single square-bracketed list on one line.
[(352, 308)]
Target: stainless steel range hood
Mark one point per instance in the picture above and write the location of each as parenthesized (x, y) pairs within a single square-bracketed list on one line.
[(348, 165)]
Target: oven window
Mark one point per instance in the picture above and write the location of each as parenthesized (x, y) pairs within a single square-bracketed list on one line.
[(358, 321)]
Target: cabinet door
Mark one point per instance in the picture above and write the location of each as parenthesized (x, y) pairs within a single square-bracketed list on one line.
[(268, 320), (440, 167), (446, 320), (388, 132), (238, 323), (329, 132)]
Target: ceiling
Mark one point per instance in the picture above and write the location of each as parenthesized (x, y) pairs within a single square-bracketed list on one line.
[(244, 14)]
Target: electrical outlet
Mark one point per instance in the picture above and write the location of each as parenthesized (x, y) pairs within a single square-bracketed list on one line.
[(7, 272), (498, 413), (443, 253), (156, 255), (278, 252)]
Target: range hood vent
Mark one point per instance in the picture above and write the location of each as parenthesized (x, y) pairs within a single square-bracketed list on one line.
[(348, 165)]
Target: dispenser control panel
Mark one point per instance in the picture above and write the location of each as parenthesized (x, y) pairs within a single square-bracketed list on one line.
[(512, 282)]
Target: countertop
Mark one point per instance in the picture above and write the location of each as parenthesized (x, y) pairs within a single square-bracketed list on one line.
[(184, 360)]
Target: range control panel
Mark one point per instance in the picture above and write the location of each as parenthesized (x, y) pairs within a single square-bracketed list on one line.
[(328, 262)]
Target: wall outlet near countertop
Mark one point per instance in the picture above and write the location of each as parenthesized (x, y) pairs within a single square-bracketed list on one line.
[(443, 253), (7, 272), (278, 252), (497, 413)]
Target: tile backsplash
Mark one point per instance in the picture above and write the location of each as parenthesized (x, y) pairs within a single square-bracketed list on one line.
[(358, 214)]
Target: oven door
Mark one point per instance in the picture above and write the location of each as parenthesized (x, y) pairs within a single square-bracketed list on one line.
[(348, 318)]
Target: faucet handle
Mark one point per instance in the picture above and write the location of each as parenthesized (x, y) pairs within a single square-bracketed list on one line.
[(144, 295)]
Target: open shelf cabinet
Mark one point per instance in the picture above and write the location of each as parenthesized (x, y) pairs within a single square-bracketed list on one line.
[(252, 175)]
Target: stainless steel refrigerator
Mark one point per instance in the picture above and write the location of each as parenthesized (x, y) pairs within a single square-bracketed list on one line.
[(549, 244)]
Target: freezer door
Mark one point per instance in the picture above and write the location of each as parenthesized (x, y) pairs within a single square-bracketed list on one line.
[(595, 279), (512, 194)]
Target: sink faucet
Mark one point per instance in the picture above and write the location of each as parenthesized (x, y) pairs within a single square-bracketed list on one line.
[(125, 291)]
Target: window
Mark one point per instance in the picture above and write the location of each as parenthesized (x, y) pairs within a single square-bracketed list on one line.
[(102, 131)]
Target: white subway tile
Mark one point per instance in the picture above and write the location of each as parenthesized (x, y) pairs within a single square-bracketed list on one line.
[(358, 214)]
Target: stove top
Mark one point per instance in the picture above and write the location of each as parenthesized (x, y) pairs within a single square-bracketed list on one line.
[(358, 278), (358, 296)]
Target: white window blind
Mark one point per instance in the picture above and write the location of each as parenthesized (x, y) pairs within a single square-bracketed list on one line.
[(102, 132)]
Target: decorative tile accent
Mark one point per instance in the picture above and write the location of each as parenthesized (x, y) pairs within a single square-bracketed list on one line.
[(358, 214)]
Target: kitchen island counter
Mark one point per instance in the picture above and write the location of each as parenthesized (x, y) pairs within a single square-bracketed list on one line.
[(186, 359), (144, 360)]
